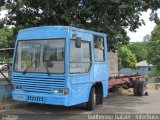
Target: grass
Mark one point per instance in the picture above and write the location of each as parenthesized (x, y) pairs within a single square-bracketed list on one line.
[(154, 83)]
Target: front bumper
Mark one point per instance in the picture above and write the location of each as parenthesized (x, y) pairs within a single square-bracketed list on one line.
[(43, 98)]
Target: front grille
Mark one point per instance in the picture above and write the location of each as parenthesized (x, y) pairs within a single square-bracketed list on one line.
[(39, 84), (36, 99)]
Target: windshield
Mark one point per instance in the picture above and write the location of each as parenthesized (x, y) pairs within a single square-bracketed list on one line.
[(41, 56)]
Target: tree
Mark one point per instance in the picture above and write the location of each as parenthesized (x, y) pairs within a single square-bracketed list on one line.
[(139, 49), (126, 59), (6, 37), (153, 55), (6, 41), (108, 16)]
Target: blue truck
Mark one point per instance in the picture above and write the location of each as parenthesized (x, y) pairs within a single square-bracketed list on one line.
[(61, 65)]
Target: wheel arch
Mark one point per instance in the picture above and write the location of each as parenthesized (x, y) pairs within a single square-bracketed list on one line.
[(98, 88)]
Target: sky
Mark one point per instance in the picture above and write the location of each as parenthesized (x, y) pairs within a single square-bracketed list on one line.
[(144, 29), (2, 13), (134, 36)]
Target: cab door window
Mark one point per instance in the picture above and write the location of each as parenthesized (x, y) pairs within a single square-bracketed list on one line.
[(80, 58), (99, 49)]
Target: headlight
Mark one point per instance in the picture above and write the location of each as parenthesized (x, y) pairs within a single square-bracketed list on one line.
[(60, 91), (17, 87)]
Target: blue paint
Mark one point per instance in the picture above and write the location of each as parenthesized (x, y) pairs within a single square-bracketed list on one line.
[(37, 87)]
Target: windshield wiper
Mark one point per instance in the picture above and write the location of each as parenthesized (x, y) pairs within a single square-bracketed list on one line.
[(46, 66), (29, 66)]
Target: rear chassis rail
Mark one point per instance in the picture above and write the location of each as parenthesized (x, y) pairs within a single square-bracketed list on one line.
[(137, 82)]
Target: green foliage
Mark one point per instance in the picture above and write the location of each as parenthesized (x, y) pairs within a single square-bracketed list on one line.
[(6, 41), (153, 51), (139, 49), (108, 16), (155, 72), (126, 59), (5, 57), (153, 45)]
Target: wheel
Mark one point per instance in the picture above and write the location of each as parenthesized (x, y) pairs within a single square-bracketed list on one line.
[(91, 104), (146, 94), (142, 88), (99, 99), (135, 87)]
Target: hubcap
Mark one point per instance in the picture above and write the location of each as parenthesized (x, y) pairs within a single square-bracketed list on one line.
[(144, 87)]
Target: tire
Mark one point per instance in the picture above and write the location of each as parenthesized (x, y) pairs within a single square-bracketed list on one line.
[(135, 87), (142, 88), (91, 104), (99, 99), (146, 94)]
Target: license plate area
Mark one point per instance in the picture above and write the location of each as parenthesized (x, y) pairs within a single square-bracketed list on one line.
[(21, 97)]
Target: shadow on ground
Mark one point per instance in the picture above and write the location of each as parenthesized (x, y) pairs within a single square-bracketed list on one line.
[(126, 103)]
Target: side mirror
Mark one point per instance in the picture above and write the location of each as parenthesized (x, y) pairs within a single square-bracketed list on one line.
[(78, 42)]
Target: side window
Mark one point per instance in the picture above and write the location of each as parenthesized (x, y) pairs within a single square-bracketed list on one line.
[(80, 58), (99, 49)]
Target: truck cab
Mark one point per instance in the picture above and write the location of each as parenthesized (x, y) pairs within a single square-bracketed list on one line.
[(60, 65)]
